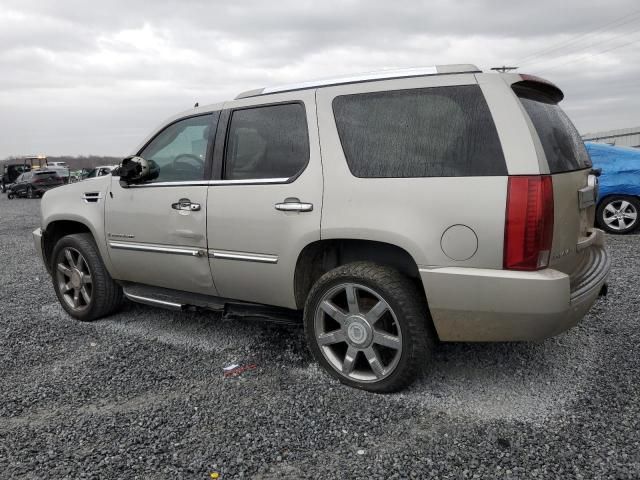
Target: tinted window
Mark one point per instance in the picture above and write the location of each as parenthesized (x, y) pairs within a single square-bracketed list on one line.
[(180, 150), (431, 132), (563, 147), (267, 142), (46, 174)]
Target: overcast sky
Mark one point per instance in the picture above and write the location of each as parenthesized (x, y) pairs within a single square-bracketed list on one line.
[(84, 77)]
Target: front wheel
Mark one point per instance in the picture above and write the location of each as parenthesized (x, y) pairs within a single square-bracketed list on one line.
[(367, 325), (10, 196), (30, 193), (618, 214), (81, 281)]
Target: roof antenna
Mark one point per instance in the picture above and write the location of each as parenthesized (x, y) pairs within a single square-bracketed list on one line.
[(503, 69), (196, 105)]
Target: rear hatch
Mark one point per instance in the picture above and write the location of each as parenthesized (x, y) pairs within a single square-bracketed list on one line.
[(45, 180), (574, 185)]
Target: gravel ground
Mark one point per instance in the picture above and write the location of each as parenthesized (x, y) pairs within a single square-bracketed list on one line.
[(141, 394)]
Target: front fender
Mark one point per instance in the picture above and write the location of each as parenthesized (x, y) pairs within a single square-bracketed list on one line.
[(68, 203)]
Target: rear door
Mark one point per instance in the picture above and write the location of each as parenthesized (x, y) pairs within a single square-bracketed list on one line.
[(265, 205), (574, 187)]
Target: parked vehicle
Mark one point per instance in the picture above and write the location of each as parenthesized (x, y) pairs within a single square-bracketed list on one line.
[(57, 164), (34, 184), (11, 171), (619, 189), (99, 171), (384, 211)]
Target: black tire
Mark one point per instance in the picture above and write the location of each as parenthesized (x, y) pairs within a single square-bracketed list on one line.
[(4, 188), (10, 196), (106, 295), (407, 310), (30, 193), (614, 212)]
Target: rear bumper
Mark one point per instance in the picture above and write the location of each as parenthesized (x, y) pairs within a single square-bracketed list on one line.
[(483, 305)]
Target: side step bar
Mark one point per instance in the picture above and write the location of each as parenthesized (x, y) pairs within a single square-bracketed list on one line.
[(230, 309), (154, 302)]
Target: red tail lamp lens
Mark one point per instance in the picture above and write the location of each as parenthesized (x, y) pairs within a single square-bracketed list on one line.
[(528, 230)]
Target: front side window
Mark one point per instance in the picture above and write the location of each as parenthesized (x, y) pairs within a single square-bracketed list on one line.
[(267, 142), (428, 132), (180, 150)]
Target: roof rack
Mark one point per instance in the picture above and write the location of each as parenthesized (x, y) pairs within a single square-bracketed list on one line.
[(365, 77)]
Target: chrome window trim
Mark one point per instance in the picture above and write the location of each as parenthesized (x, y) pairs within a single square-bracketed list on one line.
[(211, 183), (243, 256), (149, 247)]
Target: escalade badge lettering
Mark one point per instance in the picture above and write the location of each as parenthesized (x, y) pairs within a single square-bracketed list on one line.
[(120, 235)]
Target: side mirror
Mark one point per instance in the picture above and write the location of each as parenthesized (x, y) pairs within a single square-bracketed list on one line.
[(134, 170)]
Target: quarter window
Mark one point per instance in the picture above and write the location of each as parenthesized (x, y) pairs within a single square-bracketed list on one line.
[(180, 150), (430, 132), (267, 142)]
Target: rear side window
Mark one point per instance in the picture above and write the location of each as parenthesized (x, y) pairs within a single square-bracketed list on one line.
[(563, 147), (430, 132), (267, 142)]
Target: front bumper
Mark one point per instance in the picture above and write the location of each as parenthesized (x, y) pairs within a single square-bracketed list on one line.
[(484, 305), (37, 243)]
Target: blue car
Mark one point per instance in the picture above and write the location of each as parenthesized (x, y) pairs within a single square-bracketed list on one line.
[(619, 195)]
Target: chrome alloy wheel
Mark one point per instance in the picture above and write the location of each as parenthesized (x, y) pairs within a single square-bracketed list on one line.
[(74, 279), (620, 215), (358, 332)]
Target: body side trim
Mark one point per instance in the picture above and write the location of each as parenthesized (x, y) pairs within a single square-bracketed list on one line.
[(149, 247), (243, 256)]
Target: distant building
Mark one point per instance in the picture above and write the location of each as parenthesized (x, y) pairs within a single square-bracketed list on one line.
[(625, 137)]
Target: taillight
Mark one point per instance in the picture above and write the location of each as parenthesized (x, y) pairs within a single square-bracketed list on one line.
[(528, 229)]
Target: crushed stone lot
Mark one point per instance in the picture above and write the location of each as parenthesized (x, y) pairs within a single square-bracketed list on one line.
[(141, 394)]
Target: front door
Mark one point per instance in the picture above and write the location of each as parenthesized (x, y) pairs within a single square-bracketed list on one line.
[(156, 231), (265, 206)]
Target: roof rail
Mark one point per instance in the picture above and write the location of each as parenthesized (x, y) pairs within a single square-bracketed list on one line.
[(364, 77)]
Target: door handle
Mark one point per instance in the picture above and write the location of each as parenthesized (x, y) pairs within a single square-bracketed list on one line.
[(293, 204), (185, 204)]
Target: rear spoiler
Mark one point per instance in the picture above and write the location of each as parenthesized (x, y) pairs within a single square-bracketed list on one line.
[(538, 85)]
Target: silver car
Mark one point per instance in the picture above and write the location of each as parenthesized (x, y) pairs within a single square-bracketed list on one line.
[(385, 211)]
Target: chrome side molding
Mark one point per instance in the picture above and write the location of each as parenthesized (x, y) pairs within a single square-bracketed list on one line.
[(148, 247), (243, 256)]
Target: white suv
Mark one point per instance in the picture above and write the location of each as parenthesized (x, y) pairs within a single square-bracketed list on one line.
[(384, 211)]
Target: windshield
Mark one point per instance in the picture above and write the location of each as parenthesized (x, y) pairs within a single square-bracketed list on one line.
[(562, 144)]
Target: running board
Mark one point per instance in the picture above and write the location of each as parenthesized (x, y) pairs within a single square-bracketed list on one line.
[(230, 309)]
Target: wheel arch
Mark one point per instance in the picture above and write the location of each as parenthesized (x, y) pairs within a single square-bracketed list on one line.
[(57, 229), (321, 256)]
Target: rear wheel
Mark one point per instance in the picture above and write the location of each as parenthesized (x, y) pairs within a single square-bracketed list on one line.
[(618, 214), (10, 196), (30, 193), (366, 324), (81, 281)]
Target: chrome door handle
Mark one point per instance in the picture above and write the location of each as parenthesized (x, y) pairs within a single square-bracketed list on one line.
[(185, 204), (294, 205)]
